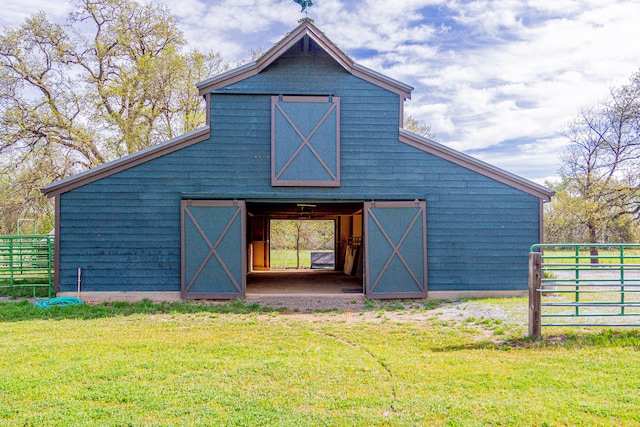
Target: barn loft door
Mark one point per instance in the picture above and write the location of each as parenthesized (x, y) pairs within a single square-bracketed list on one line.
[(305, 141), (395, 250), (213, 249)]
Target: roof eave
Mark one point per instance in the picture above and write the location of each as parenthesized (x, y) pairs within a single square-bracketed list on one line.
[(475, 165), (388, 83), (227, 78), (107, 169)]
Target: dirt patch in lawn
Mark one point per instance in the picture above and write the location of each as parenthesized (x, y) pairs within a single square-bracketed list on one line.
[(512, 311)]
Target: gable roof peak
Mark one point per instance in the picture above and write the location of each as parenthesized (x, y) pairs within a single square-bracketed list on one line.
[(306, 28)]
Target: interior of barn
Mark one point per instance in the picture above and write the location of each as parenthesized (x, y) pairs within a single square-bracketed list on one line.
[(338, 271)]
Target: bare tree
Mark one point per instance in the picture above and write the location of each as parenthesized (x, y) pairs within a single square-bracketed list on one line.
[(413, 125), (601, 166)]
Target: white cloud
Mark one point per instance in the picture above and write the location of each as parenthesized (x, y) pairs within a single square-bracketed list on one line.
[(187, 11), (537, 159), (13, 12), (530, 86)]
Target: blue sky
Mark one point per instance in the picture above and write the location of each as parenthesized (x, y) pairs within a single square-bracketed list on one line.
[(496, 79)]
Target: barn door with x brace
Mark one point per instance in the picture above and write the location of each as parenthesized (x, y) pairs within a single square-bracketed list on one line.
[(395, 249), (213, 249), (305, 141)]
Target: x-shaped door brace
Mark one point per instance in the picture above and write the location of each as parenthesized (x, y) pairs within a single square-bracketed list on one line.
[(305, 141), (396, 249), (212, 250)]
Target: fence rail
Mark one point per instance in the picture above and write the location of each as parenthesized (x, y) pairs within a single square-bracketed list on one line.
[(570, 283), (26, 260)]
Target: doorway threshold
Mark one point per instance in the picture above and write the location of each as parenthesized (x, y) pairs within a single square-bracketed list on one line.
[(252, 295), (307, 283)]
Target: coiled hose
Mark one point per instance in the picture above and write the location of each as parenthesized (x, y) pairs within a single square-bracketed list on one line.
[(59, 302)]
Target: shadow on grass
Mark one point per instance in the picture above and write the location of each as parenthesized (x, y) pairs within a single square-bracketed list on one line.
[(602, 338)]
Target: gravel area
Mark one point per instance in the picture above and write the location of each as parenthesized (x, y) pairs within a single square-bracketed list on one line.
[(512, 312)]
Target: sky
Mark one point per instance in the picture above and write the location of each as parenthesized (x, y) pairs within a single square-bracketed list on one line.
[(496, 79)]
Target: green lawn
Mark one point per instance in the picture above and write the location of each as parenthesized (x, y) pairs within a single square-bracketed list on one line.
[(190, 364), (605, 256), (284, 258)]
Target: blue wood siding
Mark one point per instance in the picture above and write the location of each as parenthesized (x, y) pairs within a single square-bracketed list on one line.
[(124, 230)]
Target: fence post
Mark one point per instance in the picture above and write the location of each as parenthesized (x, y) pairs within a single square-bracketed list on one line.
[(535, 283), (11, 262)]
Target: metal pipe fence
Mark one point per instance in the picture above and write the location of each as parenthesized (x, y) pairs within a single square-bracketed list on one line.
[(26, 261), (584, 285)]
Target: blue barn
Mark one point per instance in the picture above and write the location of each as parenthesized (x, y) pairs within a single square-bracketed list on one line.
[(302, 132)]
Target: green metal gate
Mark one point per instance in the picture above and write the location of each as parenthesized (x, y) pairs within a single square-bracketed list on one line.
[(26, 260), (584, 285)]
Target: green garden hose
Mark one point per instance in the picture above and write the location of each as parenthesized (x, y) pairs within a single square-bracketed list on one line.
[(59, 301)]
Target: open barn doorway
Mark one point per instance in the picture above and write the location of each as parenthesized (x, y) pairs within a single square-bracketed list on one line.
[(304, 248), (302, 243)]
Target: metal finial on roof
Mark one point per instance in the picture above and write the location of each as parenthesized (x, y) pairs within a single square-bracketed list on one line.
[(304, 4)]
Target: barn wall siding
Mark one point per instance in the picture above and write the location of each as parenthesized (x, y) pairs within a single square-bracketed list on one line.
[(124, 230)]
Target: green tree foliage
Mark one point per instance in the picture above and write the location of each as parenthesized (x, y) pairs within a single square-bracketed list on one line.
[(18, 202), (117, 77), (565, 220), (599, 194)]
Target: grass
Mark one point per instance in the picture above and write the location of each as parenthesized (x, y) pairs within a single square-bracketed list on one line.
[(238, 364), (599, 314), (24, 289), (285, 258), (26, 283), (605, 256)]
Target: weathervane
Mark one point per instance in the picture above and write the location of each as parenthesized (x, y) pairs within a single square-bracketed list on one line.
[(304, 4)]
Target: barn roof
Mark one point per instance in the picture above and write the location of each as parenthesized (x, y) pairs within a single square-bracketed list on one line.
[(306, 29)]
